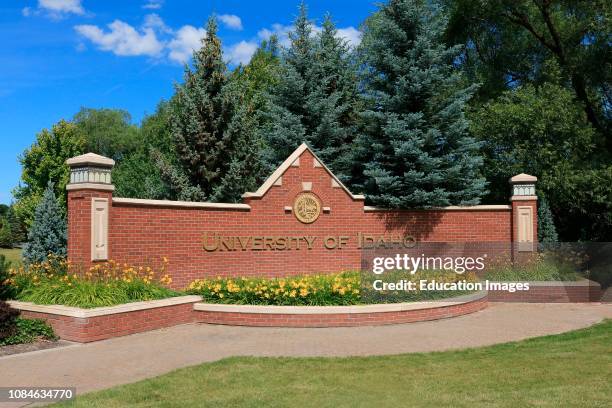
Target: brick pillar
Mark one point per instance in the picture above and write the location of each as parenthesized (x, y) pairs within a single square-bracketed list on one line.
[(90, 195), (524, 216)]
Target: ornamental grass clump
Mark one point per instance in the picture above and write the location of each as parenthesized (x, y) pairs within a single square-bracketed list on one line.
[(543, 267), (56, 281), (314, 290)]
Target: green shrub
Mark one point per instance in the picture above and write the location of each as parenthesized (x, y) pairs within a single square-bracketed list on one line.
[(540, 269), (6, 290), (105, 284), (88, 294), (28, 331), (8, 317)]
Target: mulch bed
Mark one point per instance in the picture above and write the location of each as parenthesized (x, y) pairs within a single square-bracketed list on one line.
[(27, 347)]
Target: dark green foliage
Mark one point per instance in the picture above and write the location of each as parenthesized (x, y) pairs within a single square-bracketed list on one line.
[(48, 232), (108, 132), (28, 331), (16, 226), (542, 131), (211, 130), (44, 162), (259, 77), (315, 99), (6, 234), (6, 290), (89, 294), (137, 174), (516, 42), (8, 317), (547, 232), (416, 148)]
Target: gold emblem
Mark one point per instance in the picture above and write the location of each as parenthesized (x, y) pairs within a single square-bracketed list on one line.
[(307, 207)]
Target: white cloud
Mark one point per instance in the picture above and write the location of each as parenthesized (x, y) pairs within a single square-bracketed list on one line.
[(281, 31), (55, 9), (153, 4), (241, 53), (155, 22), (351, 35), (186, 40), (231, 21), (123, 39), (62, 6)]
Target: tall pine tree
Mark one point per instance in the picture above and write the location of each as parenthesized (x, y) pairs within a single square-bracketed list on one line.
[(416, 148), (218, 154), (316, 98)]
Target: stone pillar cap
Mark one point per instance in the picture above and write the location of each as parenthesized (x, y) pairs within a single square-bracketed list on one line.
[(90, 159), (522, 178)]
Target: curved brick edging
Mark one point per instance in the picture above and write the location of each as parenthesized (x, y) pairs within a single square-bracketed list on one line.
[(582, 291), (337, 316), (85, 325)]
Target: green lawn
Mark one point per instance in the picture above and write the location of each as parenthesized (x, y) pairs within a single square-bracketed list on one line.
[(571, 369), (13, 255)]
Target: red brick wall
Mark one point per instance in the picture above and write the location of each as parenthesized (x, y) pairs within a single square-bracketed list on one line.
[(84, 330), (142, 234), (551, 294), (339, 319)]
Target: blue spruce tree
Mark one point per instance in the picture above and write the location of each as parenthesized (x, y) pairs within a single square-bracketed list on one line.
[(316, 98), (415, 149), (48, 232)]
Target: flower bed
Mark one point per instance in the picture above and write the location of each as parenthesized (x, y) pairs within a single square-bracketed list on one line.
[(347, 288), (55, 282)]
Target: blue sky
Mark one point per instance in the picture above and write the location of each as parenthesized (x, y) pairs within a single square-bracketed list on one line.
[(59, 55)]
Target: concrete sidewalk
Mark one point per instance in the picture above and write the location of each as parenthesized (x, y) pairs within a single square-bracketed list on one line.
[(128, 359)]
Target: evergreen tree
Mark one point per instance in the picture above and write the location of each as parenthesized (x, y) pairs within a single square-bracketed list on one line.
[(17, 228), (48, 232), (547, 232), (6, 235), (316, 99), (416, 147), (209, 128)]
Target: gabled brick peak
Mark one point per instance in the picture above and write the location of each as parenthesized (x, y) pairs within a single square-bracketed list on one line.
[(293, 157)]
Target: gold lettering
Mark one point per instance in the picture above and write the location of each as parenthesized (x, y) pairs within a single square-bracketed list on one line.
[(257, 244), (269, 243), (208, 247), (281, 243), (330, 242), (368, 239), (244, 244), (228, 243), (214, 242), (343, 240), (310, 241)]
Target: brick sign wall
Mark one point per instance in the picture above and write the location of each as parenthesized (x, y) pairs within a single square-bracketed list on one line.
[(263, 236)]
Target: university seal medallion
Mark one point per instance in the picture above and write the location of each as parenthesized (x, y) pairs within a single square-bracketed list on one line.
[(307, 207)]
